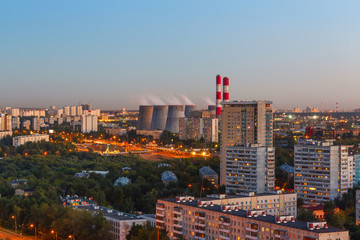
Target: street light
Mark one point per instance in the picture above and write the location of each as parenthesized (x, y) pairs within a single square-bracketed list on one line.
[(14, 217), (52, 232), (33, 226)]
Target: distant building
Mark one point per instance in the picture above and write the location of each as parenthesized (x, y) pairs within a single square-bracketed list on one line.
[(122, 180), (357, 169), (86, 174), (164, 165), (89, 123), (200, 124), (357, 207), (168, 176), (15, 183), (21, 140), (5, 122), (36, 124), (66, 111), (154, 133), (24, 192), (208, 173), (5, 133), (121, 222), (126, 169), (115, 131), (76, 201), (73, 112)]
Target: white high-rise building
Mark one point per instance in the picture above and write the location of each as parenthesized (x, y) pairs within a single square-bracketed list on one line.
[(250, 168), (247, 153), (66, 111), (73, 111), (321, 170), (5, 122), (89, 123), (244, 122), (79, 111)]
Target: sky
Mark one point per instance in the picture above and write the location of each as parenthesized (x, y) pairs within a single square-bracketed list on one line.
[(116, 54)]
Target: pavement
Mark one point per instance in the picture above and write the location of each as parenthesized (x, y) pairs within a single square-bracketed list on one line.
[(10, 235)]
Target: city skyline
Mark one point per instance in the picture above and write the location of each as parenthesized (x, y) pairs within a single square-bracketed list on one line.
[(296, 54)]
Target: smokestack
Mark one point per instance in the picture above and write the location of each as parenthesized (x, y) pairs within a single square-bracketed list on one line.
[(225, 89), (218, 95)]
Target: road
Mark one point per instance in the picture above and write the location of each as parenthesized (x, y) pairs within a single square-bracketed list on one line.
[(7, 234)]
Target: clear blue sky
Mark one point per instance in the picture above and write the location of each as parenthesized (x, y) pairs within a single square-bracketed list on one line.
[(116, 53)]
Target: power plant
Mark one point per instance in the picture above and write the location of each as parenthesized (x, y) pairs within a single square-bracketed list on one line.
[(162, 117), (225, 95), (145, 116), (174, 114), (159, 117), (189, 109), (167, 117)]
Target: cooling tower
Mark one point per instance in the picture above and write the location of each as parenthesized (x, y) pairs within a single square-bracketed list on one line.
[(211, 107), (189, 109), (175, 113), (159, 117), (145, 116)]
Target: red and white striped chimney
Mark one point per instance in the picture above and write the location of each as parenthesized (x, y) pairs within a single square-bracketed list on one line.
[(218, 95), (225, 89)]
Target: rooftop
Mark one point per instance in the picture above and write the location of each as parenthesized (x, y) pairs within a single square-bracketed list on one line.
[(206, 170), (237, 102), (267, 218), (110, 213)]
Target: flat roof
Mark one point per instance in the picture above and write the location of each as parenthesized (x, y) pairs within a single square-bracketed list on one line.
[(237, 102), (114, 214), (268, 219)]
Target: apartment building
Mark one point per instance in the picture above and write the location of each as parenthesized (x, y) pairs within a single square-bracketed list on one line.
[(21, 140), (270, 203), (121, 222), (186, 218), (200, 124), (244, 122), (250, 168), (321, 170), (357, 207), (89, 123)]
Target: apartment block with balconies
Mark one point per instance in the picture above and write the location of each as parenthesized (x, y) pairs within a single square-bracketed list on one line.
[(321, 170), (250, 168), (188, 218)]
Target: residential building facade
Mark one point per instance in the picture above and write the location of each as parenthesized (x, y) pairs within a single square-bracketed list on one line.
[(321, 170)]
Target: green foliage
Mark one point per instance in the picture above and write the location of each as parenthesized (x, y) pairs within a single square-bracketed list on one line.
[(305, 215), (147, 232)]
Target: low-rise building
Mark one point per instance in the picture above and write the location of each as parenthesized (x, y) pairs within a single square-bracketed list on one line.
[(77, 201), (5, 134), (122, 181), (208, 173), (168, 176), (21, 140), (121, 222), (186, 218)]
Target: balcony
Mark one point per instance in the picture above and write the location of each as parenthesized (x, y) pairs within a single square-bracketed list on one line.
[(251, 237), (177, 218), (179, 232), (252, 229), (160, 207), (200, 224), (160, 214), (224, 237), (225, 230), (160, 220)]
